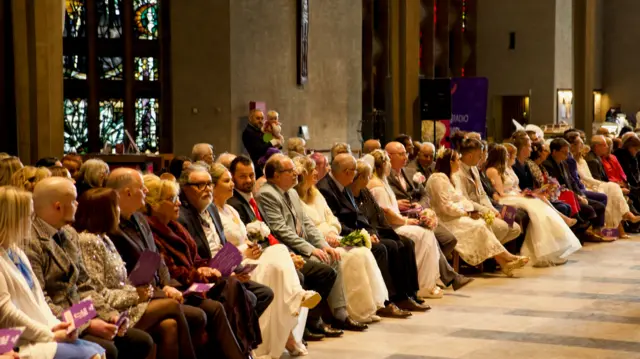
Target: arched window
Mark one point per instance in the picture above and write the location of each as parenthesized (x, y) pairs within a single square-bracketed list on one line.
[(116, 74)]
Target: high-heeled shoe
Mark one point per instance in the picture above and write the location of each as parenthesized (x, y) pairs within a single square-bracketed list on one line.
[(631, 217), (570, 221)]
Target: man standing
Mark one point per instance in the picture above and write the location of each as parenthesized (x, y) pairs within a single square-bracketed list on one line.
[(423, 162), (200, 217), (411, 195), (467, 180), (58, 266), (135, 236), (398, 269), (313, 275), (282, 210), (253, 141)]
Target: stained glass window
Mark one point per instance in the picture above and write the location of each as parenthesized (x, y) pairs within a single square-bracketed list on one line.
[(147, 111), (109, 19), (146, 19), (110, 68), (111, 122), (75, 67), (75, 19), (146, 69), (76, 133)]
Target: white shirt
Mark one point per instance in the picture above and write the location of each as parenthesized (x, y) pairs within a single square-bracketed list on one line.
[(210, 232)]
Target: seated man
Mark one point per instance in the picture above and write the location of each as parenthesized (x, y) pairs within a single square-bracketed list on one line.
[(58, 266), (201, 219), (410, 195), (202, 152), (134, 236), (423, 162), (313, 275), (282, 211)]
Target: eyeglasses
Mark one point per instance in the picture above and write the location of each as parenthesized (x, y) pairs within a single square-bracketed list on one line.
[(290, 170), (172, 200), (201, 186)]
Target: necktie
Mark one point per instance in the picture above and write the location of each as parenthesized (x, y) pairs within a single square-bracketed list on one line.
[(293, 213), (349, 196), (403, 183), (254, 207)]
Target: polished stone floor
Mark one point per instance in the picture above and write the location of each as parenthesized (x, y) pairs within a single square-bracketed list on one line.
[(588, 308)]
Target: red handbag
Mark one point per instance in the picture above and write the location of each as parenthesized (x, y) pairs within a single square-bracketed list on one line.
[(569, 198)]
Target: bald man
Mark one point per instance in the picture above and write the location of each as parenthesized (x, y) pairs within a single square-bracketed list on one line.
[(370, 146), (58, 266)]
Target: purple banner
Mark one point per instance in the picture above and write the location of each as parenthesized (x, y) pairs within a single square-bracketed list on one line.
[(469, 104), (9, 339)]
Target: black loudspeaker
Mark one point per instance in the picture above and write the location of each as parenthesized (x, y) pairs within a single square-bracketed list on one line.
[(435, 99)]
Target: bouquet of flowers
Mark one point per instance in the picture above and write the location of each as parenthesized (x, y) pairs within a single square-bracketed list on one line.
[(428, 219), (489, 217), (257, 231), (419, 178), (357, 238)]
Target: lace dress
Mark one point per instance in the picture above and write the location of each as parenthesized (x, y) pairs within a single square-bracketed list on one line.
[(548, 237), (427, 253), (277, 271), (364, 289), (476, 241), (617, 205)]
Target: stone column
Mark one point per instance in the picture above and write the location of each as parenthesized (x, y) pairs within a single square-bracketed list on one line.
[(37, 26), (584, 23)]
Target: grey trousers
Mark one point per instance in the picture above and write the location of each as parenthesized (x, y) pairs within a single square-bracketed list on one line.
[(447, 242), (336, 297)]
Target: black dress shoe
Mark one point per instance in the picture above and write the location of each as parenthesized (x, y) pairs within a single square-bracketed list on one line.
[(411, 305), (311, 336), (392, 311), (327, 331), (350, 324), (461, 281), (417, 300)]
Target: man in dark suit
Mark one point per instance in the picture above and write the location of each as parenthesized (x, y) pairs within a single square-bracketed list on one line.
[(599, 148), (253, 141), (313, 275), (590, 210), (424, 160), (409, 195), (392, 263), (201, 219), (134, 237)]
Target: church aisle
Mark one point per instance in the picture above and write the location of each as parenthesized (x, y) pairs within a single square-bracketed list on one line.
[(588, 308)]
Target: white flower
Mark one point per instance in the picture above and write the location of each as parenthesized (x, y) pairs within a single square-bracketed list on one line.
[(419, 178), (367, 238), (258, 229)]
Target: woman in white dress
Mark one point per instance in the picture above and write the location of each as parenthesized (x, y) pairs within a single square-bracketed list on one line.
[(22, 302), (549, 240), (617, 209), (476, 241), (275, 269), (364, 289), (427, 253)]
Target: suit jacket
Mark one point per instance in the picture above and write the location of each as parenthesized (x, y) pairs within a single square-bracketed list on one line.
[(629, 165), (560, 172), (135, 237), (350, 216), (415, 192), (243, 207), (415, 166), (189, 218), (467, 180), (279, 217), (60, 270), (595, 166), (255, 145)]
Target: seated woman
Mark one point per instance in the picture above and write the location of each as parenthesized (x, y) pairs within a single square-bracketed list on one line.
[(180, 253), (22, 302), (363, 283), (98, 213), (92, 174), (476, 241), (617, 209), (427, 253), (27, 177), (8, 166), (549, 240), (275, 269)]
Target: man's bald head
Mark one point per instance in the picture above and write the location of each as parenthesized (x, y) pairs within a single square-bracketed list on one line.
[(130, 186), (370, 146), (598, 139), (397, 154), (393, 146), (343, 168), (54, 201), (121, 178)]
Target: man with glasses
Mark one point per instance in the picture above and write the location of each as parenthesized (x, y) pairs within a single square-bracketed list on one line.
[(201, 219), (412, 195)]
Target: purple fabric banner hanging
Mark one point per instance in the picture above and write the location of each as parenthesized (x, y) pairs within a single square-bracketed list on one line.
[(469, 104)]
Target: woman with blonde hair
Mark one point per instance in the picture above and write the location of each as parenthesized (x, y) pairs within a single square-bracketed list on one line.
[(93, 174), (27, 177), (364, 286), (296, 147), (427, 253), (275, 269), (8, 166), (22, 302)]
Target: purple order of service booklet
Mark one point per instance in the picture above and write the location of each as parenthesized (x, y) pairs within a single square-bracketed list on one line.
[(226, 260), (79, 314), (198, 288), (509, 215), (145, 269), (610, 232), (9, 338)]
